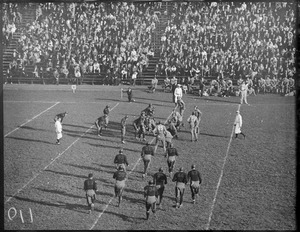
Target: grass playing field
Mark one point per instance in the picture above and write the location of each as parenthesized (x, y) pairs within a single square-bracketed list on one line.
[(247, 184)]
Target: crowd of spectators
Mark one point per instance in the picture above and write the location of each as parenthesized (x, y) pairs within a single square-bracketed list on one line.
[(11, 16), (230, 39), (224, 39), (72, 39)]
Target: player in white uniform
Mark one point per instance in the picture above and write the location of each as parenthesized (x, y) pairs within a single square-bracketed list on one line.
[(160, 132), (58, 130)]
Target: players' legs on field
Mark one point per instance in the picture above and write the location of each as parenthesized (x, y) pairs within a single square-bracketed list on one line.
[(163, 140), (153, 207), (146, 165), (123, 132), (148, 206), (193, 192), (195, 134), (181, 196), (192, 134), (160, 194), (177, 196)]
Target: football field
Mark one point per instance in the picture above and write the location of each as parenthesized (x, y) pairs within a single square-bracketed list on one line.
[(248, 184)]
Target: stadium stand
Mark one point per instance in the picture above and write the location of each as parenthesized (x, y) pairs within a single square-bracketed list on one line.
[(105, 43)]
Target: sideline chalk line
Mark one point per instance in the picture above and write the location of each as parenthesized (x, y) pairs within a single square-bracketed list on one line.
[(31, 119), (59, 155), (220, 178), (106, 206)]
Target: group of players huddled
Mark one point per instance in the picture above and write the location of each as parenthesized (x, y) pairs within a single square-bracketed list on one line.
[(146, 124)]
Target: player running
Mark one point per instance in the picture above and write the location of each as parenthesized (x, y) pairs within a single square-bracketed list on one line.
[(106, 112), (139, 126), (176, 118), (147, 152), (150, 193), (172, 128), (181, 105), (181, 179), (160, 132), (198, 114), (160, 180), (123, 128), (195, 180), (120, 176), (171, 158), (193, 121), (100, 123), (121, 160), (90, 187)]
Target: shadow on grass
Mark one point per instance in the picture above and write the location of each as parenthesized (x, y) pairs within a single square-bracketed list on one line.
[(205, 134), (31, 140), (106, 166), (67, 174), (31, 128), (108, 99), (115, 147), (215, 99), (159, 100), (93, 169), (74, 207), (220, 136), (71, 125), (125, 217), (60, 193)]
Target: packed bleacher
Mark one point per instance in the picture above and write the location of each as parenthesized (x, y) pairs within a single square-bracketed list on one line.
[(11, 16), (230, 39), (74, 39), (202, 39)]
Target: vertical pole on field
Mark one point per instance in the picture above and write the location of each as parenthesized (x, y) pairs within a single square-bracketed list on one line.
[(121, 93)]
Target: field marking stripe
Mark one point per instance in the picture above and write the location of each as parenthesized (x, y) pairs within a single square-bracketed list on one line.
[(59, 155), (31, 119), (220, 178), (106, 206), (198, 103)]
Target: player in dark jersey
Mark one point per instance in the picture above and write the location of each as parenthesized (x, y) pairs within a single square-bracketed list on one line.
[(160, 180), (139, 126), (181, 105), (100, 123), (121, 160), (120, 177), (150, 193), (129, 94), (61, 116), (147, 152), (123, 128), (90, 187), (172, 128), (194, 178), (181, 179), (149, 111), (171, 158)]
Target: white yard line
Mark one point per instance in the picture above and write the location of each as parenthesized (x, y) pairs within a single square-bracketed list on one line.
[(136, 163), (67, 102), (59, 155), (220, 178), (31, 119)]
